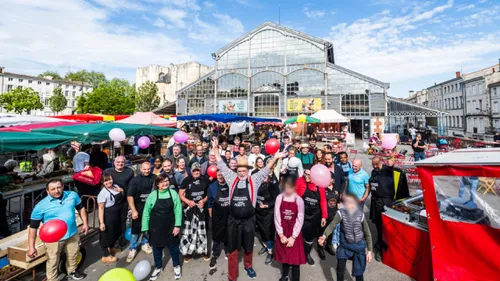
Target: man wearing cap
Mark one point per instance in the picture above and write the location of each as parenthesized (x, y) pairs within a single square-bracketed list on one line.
[(193, 192), (306, 157), (242, 201)]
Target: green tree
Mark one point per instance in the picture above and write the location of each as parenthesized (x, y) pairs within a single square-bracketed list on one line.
[(57, 101), (147, 97), (114, 97), (54, 74), (20, 100), (92, 77)]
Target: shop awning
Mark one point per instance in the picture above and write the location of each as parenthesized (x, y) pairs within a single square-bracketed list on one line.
[(27, 128), (22, 141), (7, 120), (148, 118), (330, 116), (86, 133), (225, 118)]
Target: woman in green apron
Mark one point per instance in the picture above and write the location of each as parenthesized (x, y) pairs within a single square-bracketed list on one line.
[(162, 217)]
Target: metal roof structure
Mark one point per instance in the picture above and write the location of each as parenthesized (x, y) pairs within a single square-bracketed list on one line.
[(401, 107), (468, 156), (359, 75)]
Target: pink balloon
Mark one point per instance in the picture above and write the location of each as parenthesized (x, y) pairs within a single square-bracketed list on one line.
[(143, 142), (181, 137), (320, 175), (389, 141)]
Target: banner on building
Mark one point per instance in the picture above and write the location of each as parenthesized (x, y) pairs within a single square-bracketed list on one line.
[(232, 106), (303, 105)]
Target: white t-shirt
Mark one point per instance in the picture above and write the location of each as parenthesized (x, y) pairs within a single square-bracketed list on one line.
[(253, 158), (104, 196)]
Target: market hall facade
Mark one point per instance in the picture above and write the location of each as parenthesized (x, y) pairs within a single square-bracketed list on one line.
[(275, 71)]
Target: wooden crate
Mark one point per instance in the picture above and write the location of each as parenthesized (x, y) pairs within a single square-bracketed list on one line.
[(18, 255)]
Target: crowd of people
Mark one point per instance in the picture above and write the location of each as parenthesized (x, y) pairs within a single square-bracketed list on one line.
[(175, 203)]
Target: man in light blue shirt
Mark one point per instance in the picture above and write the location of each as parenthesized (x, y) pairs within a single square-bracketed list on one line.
[(60, 205), (358, 182)]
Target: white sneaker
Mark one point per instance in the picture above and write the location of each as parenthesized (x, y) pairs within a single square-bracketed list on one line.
[(155, 274), (177, 272), (131, 255), (147, 249)]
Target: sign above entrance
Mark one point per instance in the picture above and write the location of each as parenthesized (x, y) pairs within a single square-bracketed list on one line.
[(303, 105), (233, 106)]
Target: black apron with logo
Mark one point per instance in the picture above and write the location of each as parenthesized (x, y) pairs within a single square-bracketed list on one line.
[(332, 198), (241, 220), (112, 220), (140, 201), (265, 217), (312, 214), (220, 213), (162, 222), (196, 190), (381, 196)]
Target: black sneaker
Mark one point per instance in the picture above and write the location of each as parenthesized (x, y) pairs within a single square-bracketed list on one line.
[(329, 249), (213, 263), (76, 276), (284, 278), (321, 253), (378, 256), (310, 260), (263, 251), (269, 259)]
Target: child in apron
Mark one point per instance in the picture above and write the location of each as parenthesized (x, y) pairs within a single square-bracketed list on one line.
[(288, 219)]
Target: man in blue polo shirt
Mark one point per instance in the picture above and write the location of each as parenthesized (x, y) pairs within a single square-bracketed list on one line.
[(358, 182), (60, 205)]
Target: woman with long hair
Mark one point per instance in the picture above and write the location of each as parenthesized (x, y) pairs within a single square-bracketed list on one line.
[(162, 217), (259, 165), (110, 201), (181, 167), (319, 157)]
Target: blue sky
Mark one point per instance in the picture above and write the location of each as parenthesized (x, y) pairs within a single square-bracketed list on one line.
[(410, 44)]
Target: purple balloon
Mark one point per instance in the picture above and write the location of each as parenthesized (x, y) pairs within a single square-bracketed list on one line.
[(320, 175), (143, 142), (181, 137)]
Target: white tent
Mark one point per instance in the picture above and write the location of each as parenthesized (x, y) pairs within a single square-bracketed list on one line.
[(148, 118), (7, 120), (330, 116)]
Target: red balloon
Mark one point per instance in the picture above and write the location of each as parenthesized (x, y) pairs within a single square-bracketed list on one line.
[(53, 231), (212, 171), (272, 146)]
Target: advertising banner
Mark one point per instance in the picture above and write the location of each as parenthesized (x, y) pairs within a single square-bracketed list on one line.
[(233, 106), (303, 105)]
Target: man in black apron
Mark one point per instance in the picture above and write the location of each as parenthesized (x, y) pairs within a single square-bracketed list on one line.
[(218, 208), (242, 201), (382, 190), (139, 189), (264, 212), (193, 192)]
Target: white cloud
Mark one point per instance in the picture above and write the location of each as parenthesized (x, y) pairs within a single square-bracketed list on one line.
[(71, 33), (208, 4), (468, 7), (482, 17), (185, 4), (384, 48), (159, 22), (120, 4), (314, 14), (175, 16), (224, 30)]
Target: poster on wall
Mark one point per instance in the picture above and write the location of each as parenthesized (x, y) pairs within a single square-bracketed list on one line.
[(377, 125), (232, 106), (306, 105)]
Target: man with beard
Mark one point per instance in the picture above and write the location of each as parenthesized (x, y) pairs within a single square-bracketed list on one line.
[(344, 163), (243, 199), (218, 208), (384, 192), (315, 213), (193, 192), (137, 193), (175, 178), (199, 156), (264, 212), (176, 155), (312, 146)]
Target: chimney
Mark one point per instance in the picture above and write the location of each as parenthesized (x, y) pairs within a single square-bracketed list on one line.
[(493, 70), (457, 74), (1, 69)]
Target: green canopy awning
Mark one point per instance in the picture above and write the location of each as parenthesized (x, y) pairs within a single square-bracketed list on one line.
[(22, 141), (301, 119), (86, 133)]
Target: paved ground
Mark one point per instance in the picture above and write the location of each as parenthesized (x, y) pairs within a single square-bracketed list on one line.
[(198, 270)]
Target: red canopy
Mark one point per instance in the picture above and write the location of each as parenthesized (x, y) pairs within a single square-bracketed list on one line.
[(82, 117), (29, 127)]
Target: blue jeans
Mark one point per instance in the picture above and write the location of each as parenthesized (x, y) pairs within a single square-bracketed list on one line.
[(173, 249), (269, 245), (419, 156), (471, 185), (134, 241), (336, 235)]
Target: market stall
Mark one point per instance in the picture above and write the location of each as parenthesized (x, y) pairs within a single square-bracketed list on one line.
[(331, 123), (148, 118), (225, 118), (29, 127), (451, 230), (8, 120)]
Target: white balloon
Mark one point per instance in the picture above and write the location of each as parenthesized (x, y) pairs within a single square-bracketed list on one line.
[(117, 134), (142, 270), (293, 162)]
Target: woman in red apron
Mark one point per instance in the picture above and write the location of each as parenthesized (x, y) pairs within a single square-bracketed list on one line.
[(289, 219)]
